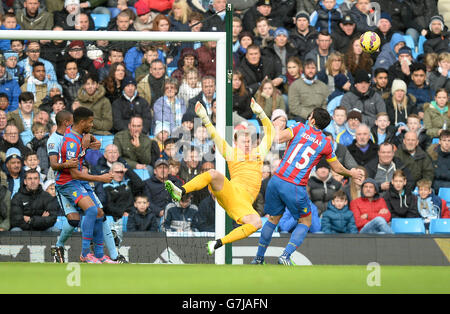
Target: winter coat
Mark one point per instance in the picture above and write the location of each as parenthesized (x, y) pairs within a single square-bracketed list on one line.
[(157, 193), (288, 223), (437, 43), (254, 75), (33, 204), (424, 139), (399, 13), (400, 116), (62, 18), (146, 89), (40, 147), (70, 89), (303, 98), (303, 44), (437, 80), (11, 88), (101, 107), (341, 40), (369, 104), (381, 175), (5, 208), (146, 153), (42, 21), (441, 164), (360, 157), (338, 220), (102, 165), (204, 218), (324, 19), (372, 208), (320, 60), (241, 104), (344, 156), (268, 103), (422, 95), (206, 61), (213, 22), (179, 219), (5, 44), (421, 12), (420, 165), (162, 111), (390, 134), (123, 109), (401, 205), (360, 20), (433, 120), (388, 56), (142, 221), (270, 53), (28, 69), (321, 192)]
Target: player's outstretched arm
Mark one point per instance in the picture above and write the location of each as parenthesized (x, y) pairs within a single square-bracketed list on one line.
[(56, 166), (339, 168), (78, 175), (269, 130), (221, 145)]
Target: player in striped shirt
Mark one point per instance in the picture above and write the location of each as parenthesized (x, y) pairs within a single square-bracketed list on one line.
[(287, 188)]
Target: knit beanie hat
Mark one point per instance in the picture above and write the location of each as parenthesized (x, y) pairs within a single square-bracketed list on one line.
[(398, 84)]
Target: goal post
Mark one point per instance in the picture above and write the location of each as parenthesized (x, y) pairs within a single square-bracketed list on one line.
[(221, 78)]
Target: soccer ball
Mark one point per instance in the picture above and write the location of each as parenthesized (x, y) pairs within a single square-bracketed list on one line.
[(370, 41)]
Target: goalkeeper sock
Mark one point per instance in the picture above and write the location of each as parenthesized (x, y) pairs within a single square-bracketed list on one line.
[(265, 238), (66, 232), (297, 237), (198, 182), (239, 233)]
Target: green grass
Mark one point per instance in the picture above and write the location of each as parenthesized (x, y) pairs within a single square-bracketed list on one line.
[(220, 279)]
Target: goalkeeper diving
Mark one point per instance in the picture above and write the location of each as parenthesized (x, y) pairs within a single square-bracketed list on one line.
[(245, 163)]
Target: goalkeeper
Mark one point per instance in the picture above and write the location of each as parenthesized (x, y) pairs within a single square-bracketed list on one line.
[(237, 195)]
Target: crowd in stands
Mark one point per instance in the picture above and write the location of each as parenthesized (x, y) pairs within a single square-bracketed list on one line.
[(389, 109)]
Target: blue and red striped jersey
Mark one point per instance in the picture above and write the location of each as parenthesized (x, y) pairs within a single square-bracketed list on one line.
[(70, 148), (304, 151)]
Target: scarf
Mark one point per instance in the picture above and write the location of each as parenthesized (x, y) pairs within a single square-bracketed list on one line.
[(427, 209), (441, 111), (32, 82), (156, 86), (176, 109), (72, 80), (308, 81), (130, 99)]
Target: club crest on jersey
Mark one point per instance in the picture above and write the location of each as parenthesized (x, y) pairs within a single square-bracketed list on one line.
[(74, 194), (312, 139)]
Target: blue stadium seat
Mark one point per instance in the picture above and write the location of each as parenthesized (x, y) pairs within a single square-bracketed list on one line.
[(410, 43), (422, 40), (435, 140), (440, 226), (444, 193), (408, 226), (105, 140), (255, 123), (142, 173), (290, 123), (100, 20)]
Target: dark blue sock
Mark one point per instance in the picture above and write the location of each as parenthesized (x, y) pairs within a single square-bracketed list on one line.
[(297, 237), (98, 237), (265, 238), (87, 229)]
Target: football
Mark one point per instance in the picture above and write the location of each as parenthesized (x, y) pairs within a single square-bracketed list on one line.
[(370, 41)]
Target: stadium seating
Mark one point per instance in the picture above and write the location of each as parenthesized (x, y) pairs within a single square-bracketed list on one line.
[(422, 40), (408, 226), (440, 226), (255, 123), (100, 20), (444, 193), (410, 43), (435, 140), (142, 173), (290, 123), (105, 140)]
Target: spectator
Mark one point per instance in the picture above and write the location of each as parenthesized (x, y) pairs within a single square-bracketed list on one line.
[(204, 218), (179, 218), (322, 51), (363, 148), (384, 28), (5, 208), (117, 196), (389, 53), (68, 16), (413, 124), (10, 87), (279, 120), (429, 205), (188, 61), (327, 16), (33, 53), (18, 46), (438, 36), (142, 217), (162, 133), (115, 55), (92, 95), (191, 165), (137, 149), (23, 117), (344, 32), (114, 81), (364, 98), (337, 124), (418, 87), (333, 67), (245, 39), (342, 153), (382, 131), (31, 17), (215, 17), (33, 209), (110, 156), (124, 22), (128, 105), (357, 59), (437, 117), (348, 133), (338, 218), (241, 97), (287, 222), (269, 98), (207, 58), (440, 155), (206, 97), (184, 133), (145, 17), (401, 68), (263, 31), (360, 14), (342, 85), (381, 81), (345, 6), (294, 72), (303, 36), (57, 106), (382, 167), (151, 52), (31, 162), (415, 158), (307, 93), (322, 186), (13, 168), (256, 67), (431, 62), (401, 202), (37, 83), (170, 107), (72, 81), (203, 143), (261, 8), (191, 85), (370, 210), (439, 77), (3, 123), (155, 187), (16, 72), (399, 104), (151, 86), (353, 189), (9, 22), (38, 145)]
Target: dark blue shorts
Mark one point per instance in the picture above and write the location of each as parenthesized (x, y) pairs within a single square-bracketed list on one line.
[(74, 191), (281, 194)]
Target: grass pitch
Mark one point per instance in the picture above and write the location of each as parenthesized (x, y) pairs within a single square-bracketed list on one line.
[(219, 279)]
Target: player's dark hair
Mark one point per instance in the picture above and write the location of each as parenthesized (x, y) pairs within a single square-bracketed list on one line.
[(62, 116), (82, 113), (322, 118)]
